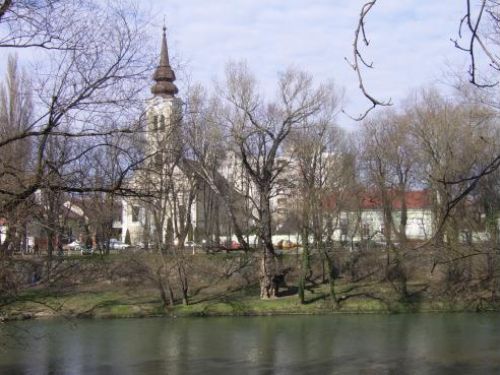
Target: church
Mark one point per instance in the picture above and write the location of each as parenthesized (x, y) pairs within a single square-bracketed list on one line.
[(173, 205), (163, 117)]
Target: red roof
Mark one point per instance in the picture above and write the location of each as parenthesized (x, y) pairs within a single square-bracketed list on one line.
[(414, 200), (417, 199)]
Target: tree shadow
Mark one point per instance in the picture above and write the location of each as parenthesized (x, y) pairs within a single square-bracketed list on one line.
[(289, 291), (415, 298), (234, 294), (316, 298)]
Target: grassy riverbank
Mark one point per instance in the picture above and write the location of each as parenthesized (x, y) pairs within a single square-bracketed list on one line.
[(122, 286), (116, 303)]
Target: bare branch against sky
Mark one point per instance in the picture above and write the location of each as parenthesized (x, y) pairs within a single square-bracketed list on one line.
[(410, 41)]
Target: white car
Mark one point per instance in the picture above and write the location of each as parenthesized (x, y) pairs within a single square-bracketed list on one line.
[(117, 245), (75, 245), (86, 251), (142, 245)]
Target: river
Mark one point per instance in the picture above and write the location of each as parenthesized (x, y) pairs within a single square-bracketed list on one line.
[(334, 344)]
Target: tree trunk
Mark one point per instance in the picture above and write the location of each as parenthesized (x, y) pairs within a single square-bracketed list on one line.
[(404, 220), (331, 281), (183, 279), (166, 292), (305, 266), (304, 270), (270, 273), (387, 213)]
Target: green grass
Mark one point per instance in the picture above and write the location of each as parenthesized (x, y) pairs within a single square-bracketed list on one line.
[(120, 303), (245, 303), (42, 303)]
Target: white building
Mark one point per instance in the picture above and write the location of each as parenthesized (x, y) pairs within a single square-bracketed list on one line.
[(163, 115), (367, 222), (3, 230), (141, 222)]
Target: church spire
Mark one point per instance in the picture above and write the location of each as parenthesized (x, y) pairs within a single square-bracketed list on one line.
[(164, 75)]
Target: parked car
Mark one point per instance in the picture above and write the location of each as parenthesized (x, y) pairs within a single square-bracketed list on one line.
[(117, 245), (86, 251), (142, 245), (75, 245)]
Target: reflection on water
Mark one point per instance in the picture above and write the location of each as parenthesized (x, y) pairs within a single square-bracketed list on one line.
[(339, 344)]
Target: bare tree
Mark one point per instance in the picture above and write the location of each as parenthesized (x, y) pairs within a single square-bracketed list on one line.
[(223, 181), (258, 130), (478, 36), (451, 138), (390, 163), (316, 155), (16, 109), (82, 94), (43, 24)]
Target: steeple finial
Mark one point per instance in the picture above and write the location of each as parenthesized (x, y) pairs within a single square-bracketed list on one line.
[(164, 75)]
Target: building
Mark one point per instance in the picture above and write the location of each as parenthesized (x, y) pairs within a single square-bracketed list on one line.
[(175, 204), (366, 221), (3, 230), (354, 217), (163, 121)]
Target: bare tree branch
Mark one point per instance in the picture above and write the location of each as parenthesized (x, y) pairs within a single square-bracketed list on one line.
[(359, 61), (473, 21)]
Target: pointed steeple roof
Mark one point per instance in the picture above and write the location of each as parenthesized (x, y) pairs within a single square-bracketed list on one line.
[(164, 75)]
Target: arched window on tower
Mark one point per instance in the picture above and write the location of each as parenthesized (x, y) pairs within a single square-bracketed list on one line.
[(162, 122), (154, 123), (135, 213), (158, 160)]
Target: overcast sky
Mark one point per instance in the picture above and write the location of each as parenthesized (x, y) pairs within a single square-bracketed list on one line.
[(410, 41)]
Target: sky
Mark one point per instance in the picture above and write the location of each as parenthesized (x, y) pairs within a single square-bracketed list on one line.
[(409, 42)]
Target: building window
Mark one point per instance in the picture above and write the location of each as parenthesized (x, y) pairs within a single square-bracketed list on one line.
[(343, 226), (154, 123), (135, 213), (162, 122), (158, 160), (365, 230)]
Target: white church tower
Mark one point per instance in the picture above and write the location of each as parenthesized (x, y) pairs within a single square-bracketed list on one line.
[(163, 113), (163, 110)]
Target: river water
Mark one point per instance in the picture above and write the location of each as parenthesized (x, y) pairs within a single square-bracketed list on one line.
[(335, 344)]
